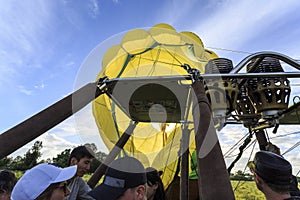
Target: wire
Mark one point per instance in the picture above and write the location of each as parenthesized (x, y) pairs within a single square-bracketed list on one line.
[(250, 144), (298, 132), (298, 172), (292, 148), (245, 165), (234, 51), (237, 51), (233, 147)]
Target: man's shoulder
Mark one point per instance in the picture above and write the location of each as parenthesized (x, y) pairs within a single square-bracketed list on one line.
[(293, 198), (78, 180)]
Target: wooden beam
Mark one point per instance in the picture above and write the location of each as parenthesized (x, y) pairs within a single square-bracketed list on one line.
[(184, 172), (100, 171), (41, 122)]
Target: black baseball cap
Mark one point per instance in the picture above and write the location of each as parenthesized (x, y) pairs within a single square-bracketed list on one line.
[(272, 168), (122, 173)]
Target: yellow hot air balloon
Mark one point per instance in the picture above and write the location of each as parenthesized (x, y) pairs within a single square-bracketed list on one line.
[(150, 54)]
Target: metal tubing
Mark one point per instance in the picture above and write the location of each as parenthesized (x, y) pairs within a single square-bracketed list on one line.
[(262, 55), (253, 75)]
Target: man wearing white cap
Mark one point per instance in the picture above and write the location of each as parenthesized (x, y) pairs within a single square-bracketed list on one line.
[(44, 182)]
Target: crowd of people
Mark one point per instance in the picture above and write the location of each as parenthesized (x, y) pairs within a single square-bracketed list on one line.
[(127, 179)]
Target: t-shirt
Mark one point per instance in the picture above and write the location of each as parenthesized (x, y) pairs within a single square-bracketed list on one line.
[(79, 189), (293, 198)]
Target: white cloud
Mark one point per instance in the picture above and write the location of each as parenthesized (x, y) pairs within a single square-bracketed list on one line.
[(232, 23), (184, 11), (40, 86), (52, 145), (115, 1), (80, 129), (94, 8), (23, 27), (22, 89)]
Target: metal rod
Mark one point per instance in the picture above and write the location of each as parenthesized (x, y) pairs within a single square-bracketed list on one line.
[(100, 171), (41, 122), (214, 182), (254, 75), (262, 55)]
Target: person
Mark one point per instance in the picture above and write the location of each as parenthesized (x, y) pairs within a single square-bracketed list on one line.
[(7, 183), (272, 175), (155, 188), (125, 179), (82, 157), (294, 190), (44, 182)]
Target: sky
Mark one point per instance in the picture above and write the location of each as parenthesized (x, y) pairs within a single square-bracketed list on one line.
[(44, 45)]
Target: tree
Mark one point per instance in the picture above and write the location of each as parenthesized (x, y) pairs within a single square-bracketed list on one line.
[(30, 158), (5, 163), (91, 146), (32, 155), (99, 158), (61, 159), (239, 175)]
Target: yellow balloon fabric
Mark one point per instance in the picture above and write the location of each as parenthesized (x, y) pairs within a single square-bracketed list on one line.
[(159, 51)]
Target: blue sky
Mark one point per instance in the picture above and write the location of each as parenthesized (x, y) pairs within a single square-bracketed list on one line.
[(43, 45)]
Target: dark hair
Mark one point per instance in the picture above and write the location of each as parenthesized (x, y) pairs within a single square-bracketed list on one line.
[(7, 181), (153, 177), (47, 193), (281, 189), (81, 152)]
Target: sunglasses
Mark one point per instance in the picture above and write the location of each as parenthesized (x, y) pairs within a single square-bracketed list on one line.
[(251, 166)]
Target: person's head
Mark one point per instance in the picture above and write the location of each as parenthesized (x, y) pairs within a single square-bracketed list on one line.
[(272, 171), (81, 156), (7, 183), (44, 182), (124, 179), (155, 187)]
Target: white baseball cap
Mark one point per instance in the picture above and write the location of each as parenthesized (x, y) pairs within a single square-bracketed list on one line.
[(36, 180)]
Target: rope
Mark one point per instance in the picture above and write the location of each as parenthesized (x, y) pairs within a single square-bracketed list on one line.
[(245, 166), (241, 148)]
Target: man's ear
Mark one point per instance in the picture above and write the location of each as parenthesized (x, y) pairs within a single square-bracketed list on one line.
[(141, 192), (73, 161), (258, 179), (155, 186)]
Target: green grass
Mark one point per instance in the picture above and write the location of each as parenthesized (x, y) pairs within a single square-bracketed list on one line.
[(246, 190)]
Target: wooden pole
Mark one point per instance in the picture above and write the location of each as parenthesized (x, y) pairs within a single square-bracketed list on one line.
[(41, 122), (261, 138), (100, 171), (214, 181), (184, 172)]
